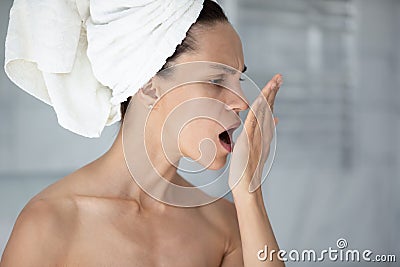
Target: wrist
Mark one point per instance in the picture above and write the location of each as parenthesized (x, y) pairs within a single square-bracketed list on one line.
[(241, 194), (249, 205)]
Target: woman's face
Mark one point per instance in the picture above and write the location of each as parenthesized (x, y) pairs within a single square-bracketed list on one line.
[(193, 116)]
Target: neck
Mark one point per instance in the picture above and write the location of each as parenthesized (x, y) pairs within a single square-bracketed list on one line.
[(119, 181), (135, 168)]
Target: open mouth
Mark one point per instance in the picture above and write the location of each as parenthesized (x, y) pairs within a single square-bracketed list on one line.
[(226, 138)]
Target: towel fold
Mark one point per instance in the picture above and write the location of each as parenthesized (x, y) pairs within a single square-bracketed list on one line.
[(86, 57)]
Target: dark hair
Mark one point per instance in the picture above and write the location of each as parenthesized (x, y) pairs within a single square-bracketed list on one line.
[(209, 15)]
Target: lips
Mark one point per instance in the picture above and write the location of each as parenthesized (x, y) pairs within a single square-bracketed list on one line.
[(226, 139)]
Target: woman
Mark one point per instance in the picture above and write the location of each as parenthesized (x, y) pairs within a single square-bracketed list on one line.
[(99, 216)]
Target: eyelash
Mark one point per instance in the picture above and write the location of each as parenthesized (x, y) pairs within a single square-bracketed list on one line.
[(217, 81)]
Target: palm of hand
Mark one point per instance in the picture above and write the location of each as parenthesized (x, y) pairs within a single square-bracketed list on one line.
[(253, 144)]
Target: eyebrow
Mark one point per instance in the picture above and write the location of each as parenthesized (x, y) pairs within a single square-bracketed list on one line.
[(227, 69)]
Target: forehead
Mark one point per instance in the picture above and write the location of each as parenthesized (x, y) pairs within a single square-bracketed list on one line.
[(217, 43)]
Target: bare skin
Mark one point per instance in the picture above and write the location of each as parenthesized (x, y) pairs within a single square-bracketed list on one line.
[(98, 216), (88, 219)]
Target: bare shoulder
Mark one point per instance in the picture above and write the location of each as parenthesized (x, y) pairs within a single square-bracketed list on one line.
[(227, 208), (224, 213), (228, 223), (40, 229)]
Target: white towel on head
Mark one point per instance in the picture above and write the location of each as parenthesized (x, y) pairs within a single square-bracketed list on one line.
[(86, 57)]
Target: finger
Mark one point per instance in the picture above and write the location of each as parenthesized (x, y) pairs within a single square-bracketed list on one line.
[(266, 91), (251, 119), (276, 120), (255, 112), (256, 118), (271, 97), (274, 92)]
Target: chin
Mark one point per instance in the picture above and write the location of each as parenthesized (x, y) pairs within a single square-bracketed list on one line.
[(219, 160), (217, 164)]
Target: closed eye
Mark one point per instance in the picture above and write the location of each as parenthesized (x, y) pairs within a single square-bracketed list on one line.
[(217, 81)]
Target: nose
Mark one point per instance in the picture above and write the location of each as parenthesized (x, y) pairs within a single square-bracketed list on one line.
[(237, 103)]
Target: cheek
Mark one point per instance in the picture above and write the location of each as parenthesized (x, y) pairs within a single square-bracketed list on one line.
[(190, 93), (196, 131), (199, 141)]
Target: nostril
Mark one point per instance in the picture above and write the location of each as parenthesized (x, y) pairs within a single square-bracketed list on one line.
[(236, 110), (243, 106), (237, 106)]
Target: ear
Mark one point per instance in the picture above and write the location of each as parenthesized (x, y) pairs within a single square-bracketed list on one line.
[(148, 94)]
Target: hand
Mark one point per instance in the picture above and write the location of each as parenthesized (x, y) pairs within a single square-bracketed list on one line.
[(253, 144)]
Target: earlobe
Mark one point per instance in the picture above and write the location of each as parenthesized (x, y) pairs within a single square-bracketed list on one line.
[(148, 94)]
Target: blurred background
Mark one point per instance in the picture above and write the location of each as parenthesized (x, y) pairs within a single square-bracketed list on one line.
[(337, 168)]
